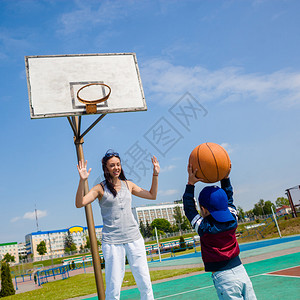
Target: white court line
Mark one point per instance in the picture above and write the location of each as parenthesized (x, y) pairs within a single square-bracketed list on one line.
[(282, 275), (206, 287), (203, 288)]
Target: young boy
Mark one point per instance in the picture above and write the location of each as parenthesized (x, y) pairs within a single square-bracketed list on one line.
[(216, 227)]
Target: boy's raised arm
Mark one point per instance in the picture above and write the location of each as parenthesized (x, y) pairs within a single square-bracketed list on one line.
[(189, 202), (227, 187), (190, 210)]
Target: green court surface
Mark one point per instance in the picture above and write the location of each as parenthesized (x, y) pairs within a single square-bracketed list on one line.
[(201, 287)]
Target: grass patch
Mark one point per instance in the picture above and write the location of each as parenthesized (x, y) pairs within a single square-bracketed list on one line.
[(288, 226), (84, 284), (75, 286)]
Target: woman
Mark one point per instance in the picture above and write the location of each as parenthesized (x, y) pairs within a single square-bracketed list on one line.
[(120, 234)]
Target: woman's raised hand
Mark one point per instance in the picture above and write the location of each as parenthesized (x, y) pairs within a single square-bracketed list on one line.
[(82, 170), (156, 167)]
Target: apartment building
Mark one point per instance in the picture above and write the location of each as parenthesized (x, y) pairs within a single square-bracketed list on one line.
[(55, 240), (11, 248), (158, 211), (22, 249)]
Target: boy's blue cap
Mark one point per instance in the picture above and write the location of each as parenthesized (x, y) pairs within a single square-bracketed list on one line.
[(215, 200)]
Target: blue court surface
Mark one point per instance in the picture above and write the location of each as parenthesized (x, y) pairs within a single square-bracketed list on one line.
[(247, 250), (245, 247), (267, 286)]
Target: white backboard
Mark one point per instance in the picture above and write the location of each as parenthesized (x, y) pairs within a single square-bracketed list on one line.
[(53, 82)]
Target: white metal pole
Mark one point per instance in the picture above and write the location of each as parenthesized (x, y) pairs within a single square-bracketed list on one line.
[(275, 220), (157, 244)]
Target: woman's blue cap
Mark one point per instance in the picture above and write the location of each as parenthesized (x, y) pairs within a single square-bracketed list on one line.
[(215, 200)]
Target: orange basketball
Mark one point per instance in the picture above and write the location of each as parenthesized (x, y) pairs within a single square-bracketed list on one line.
[(211, 161)]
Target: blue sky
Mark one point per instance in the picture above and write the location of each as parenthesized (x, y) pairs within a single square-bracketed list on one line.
[(238, 61)]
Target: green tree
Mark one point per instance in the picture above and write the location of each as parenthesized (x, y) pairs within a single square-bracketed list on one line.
[(186, 223), (267, 207), (249, 213), (73, 247), (69, 240), (159, 232), (88, 243), (174, 228), (41, 248), (258, 209), (263, 208), (70, 246), (142, 229), (161, 224), (178, 217), (23, 258), (148, 229), (7, 287), (241, 213), (9, 258), (182, 222), (282, 201)]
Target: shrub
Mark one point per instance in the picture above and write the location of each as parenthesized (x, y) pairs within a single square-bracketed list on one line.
[(73, 265), (7, 287), (102, 261), (182, 243), (177, 249)]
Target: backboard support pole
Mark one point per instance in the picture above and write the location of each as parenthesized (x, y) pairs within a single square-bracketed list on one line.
[(288, 193), (78, 141), (92, 125)]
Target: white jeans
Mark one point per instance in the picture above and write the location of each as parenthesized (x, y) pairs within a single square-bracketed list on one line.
[(114, 256), (233, 284)]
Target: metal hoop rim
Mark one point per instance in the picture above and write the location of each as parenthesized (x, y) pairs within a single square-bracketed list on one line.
[(97, 100)]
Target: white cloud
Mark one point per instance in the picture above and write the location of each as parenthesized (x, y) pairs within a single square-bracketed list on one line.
[(168, 192), (227, 147), (93, 14), (31, 215), (168, 82), (15, 219), (167, 168)]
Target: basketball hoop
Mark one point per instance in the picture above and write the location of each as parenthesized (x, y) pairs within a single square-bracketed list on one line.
[(120, 70), (91, 105)]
